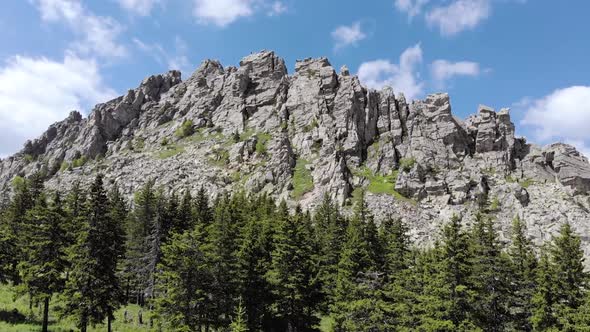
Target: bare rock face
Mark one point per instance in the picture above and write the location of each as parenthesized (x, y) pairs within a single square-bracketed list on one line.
[(315, 132)]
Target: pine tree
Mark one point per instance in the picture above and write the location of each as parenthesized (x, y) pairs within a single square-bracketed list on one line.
[(240, 319), (46, 257), (400, 285), (330, 232), (93, 291), (567, 258), (359, 285), (523, 265), (292, 274), (489, 276), (13, 220), (184, 282), (447, 303), (222, 246), (544, 299), (253, 261), (136, 268), (185, 215), (203, 212)]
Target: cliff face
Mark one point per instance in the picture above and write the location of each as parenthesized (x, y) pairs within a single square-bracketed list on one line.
[(299, 136)]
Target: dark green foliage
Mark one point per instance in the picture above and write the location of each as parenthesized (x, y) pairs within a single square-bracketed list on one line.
[(93, 291), (186, 129), (184, 282), (243, 263), (489, 276), (45, 252), (561, 283), (292, 274), (523, 265)]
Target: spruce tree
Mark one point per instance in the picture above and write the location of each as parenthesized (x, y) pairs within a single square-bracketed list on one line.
[(13, 220), (136, 268), (222, 245), (523, 265), (253, 261), (184, 282), (359, 284), (489, 276), (93, 291), (185, 215), (330, 232), (400, 284), (46, 257), (292, 274), (447, 302), (240, 319), (544, 299), (571, 280)]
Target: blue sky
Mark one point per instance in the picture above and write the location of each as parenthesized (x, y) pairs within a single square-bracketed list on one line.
[(531, 56)]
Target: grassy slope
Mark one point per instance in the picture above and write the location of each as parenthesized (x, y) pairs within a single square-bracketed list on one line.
[(32, 322)]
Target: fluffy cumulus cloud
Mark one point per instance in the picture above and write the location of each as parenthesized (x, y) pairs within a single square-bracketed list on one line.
[(402, 76), (443, 70), (561, 115), (138, 7), (35, 92), (450, 17), (224, 12), (411, 7), (348, 35), (458, 16), (97, 35)]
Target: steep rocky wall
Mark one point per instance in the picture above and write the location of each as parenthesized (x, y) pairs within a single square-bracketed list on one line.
[(316, 131)]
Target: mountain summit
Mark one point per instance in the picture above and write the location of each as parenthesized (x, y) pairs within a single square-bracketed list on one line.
[(298, 137)]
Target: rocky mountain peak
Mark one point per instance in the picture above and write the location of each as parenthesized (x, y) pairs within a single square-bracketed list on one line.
[(315, 132)]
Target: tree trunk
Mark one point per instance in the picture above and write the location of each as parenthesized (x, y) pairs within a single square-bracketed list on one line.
[(84, 323), (109, 328), (45, 314)]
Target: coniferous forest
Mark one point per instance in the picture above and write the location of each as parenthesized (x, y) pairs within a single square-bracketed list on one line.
[(248, 263)]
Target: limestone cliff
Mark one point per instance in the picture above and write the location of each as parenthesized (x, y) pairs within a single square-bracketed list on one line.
[(317, 131)]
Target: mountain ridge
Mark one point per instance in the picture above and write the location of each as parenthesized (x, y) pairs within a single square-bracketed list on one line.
[(299, 136)]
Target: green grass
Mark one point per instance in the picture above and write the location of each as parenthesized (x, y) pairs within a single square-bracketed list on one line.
[(246, 134), (185, 129), (170, 151), (302, 179), (406, 164), (79, 162), (139, 144), (220, 158), (380, 184), (31, 320), (263, 139), (525, 183)]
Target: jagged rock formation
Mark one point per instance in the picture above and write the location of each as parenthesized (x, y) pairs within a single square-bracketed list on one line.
[(299, 136)]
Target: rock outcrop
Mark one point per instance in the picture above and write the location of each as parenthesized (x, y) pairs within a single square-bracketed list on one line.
[(315, 132)]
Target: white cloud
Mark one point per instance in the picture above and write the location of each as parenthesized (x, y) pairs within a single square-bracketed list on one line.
[(35, 92), (402, 77), (443, 70), (277, 8), (411, 7), (458, 16), (138, 7), (97, 34), (176, 60), (562, 115), (348, 35), (222, 12)]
